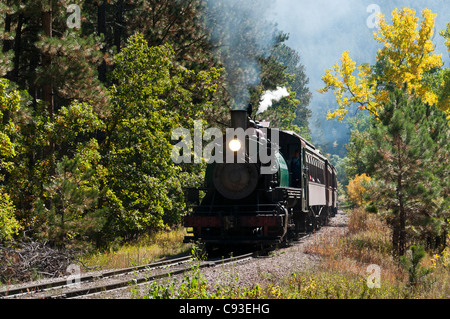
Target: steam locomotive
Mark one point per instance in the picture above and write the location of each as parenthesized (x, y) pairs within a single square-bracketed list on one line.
[(272, 186)]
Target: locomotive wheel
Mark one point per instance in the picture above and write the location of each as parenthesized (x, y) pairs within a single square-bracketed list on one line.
[(314, 221)]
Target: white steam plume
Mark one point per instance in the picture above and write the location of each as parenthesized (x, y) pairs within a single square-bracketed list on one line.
[(269, 96), (241, 36)]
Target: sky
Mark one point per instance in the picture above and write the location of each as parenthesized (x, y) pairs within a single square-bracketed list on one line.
[(321, 30)]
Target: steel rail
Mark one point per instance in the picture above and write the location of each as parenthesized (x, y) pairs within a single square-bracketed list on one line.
[(35, 288), (61, 289), (63, 283), (141, 280)]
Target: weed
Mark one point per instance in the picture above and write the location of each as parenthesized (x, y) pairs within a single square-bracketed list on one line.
[(411, 262), (145, 250)]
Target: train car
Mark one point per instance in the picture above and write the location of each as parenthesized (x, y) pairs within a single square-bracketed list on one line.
[(251, 200)]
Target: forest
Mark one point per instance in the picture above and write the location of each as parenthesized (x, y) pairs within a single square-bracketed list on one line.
[(90, 92)]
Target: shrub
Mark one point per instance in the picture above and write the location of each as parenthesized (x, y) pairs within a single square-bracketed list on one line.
[(358, 189)]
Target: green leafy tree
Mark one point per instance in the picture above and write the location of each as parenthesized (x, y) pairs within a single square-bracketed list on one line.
[(243, 43), (9, 106), (149, 100)]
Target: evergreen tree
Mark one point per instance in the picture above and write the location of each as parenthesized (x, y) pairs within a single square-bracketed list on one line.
[(406, 56), (242, 40), (298, 82), (56, 64), (405, 156), (71, 198), (359, 137), (5, 29)]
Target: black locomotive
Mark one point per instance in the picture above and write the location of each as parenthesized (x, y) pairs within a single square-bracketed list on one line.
[(272, 186)]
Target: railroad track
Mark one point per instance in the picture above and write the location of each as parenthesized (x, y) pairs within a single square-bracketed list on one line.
[(107, 281), (93, 283)]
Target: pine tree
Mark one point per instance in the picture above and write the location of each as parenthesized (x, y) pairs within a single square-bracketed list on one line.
[(52, 61), (298, 82), (71, 201), (404, 155), (87, 155), (242, 39)]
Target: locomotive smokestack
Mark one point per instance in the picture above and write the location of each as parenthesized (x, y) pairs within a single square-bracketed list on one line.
[(239, 119)]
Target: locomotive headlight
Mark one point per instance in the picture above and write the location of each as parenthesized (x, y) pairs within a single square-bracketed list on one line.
[(235, 145)]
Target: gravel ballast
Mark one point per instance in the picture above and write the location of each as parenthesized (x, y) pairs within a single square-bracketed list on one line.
[(278, 265)]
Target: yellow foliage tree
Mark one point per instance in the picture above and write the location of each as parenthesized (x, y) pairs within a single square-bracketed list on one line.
[(361, 89), (358, 188), (407, 53)]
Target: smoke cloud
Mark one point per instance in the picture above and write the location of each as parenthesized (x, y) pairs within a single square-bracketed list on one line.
[(269, 97), (241, 35), (321, 30)]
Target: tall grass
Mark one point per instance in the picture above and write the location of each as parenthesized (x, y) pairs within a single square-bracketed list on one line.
[(145, 250), (346, 256), (365, 242), (341, 274)]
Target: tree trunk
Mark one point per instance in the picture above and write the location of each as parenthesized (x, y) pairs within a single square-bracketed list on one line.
[(7, 43), (395, 235), (401, 212), (14, 74), (402, 237), (47, 90), (118, 26), (101, 28)]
